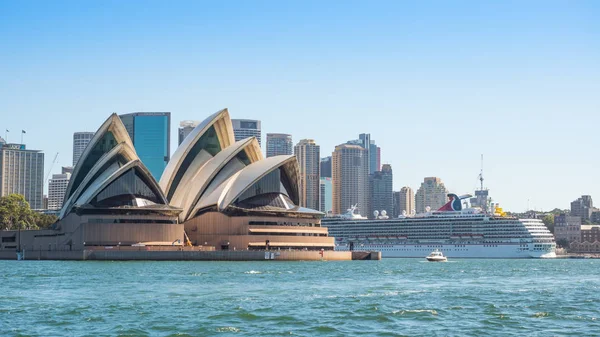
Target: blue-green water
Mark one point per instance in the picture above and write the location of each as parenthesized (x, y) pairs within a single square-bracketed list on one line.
[(375, 298)]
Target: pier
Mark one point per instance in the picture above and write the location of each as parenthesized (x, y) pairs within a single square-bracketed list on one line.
[(189, 254)]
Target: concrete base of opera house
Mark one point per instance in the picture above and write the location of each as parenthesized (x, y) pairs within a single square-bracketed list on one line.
[(190, 254)]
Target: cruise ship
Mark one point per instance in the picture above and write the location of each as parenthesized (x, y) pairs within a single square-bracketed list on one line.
[(457, 232)]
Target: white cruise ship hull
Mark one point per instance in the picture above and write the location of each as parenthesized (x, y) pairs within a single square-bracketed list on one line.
[(484, 251)]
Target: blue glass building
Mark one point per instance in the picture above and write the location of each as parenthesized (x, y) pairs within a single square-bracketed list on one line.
[(326, 196), (151, 134)]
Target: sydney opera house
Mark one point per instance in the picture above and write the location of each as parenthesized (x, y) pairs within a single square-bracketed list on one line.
[(215, 192)]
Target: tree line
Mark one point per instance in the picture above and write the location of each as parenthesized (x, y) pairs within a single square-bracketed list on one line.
[(15, 213)]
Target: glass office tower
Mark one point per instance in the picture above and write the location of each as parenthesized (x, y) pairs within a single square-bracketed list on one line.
[(151, 134)]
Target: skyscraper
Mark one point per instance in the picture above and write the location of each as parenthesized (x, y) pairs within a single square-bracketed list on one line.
[(22, 172), (432, 193), (57, 187), (244, 128), (373, 151), (309, 158), (185, 127), (326, 167), (80, 141), (381, 191), (326, 195), (373, 158), (279, 144), (583, 208), (404, 201), (350, 178), (364, 139), (151, 136)]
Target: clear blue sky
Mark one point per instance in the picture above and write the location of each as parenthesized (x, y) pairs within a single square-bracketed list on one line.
[(436, 83)]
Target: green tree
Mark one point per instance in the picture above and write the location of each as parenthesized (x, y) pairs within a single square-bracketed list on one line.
[(558, 211), (15, 213), (44, 220), (548, 220)]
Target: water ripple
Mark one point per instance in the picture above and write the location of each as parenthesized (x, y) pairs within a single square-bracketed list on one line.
[(384, 298)]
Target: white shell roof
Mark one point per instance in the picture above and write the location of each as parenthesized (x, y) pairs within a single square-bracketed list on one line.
[(83, 186), (209, 171), (209, 181), (121, 149), (112, 124), (226, 193), (253, 173), (224, 129), (113, 174)]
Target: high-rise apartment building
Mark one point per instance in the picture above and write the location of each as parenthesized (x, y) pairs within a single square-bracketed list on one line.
[(80, 141), (364, 139), (22, 172), (279, 144), (374, 157), (244, 128), (185, 127), (373, 151), (583, 208), (57, 187), (151, 136), (404, 201), (326, 195), (381, 191), (308, 154), (350, 178), (432, 193), (326, 167)]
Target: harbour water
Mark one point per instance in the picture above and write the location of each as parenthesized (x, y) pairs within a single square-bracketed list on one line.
[(393, 297)]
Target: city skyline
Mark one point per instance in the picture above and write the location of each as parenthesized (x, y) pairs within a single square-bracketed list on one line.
[(460, 80)]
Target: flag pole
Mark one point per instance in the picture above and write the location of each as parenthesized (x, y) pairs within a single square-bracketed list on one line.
[(22, 132)]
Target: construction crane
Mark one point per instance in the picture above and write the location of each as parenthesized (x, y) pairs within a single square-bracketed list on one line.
[(51, 166), (187, 241)]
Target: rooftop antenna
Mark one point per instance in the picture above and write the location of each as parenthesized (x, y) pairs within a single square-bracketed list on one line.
[(481, 173)]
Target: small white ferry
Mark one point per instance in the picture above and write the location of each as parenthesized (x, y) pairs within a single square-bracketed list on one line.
[(436, 256)]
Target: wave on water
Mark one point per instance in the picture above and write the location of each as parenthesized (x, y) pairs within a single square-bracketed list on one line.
[(415, 311), (372, 294), (378, 298)]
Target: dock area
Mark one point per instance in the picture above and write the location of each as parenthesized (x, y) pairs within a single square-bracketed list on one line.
[(191, 254), (578, 256)]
